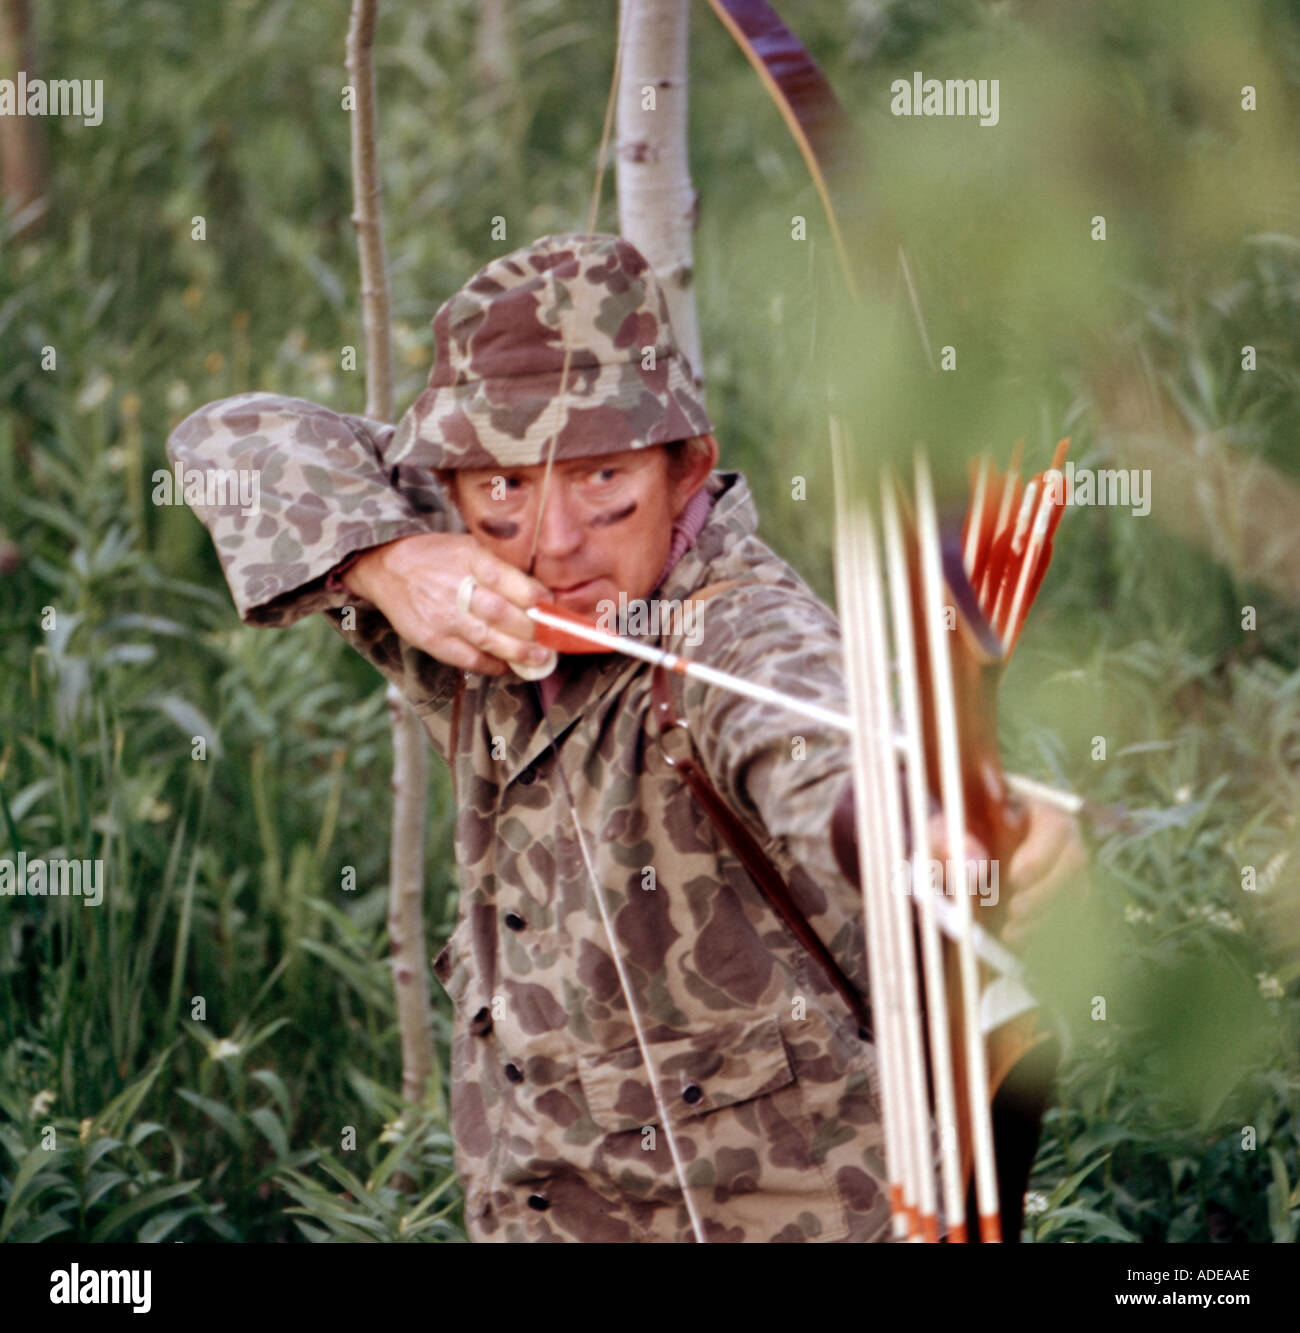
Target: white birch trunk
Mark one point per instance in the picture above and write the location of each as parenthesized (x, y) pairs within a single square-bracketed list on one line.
[(656, 204)]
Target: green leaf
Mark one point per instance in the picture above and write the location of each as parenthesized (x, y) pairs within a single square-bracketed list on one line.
[(1098, 1224), (117, 1114), (258, 1037), (269, 1123), (160, 1226), (190, 720), (37, 1160), (1280, 1221), (1071, 1183), (52, 1224), (99, 1185), (274, 1084), (144, 1130), (151, 1199), (98, 1147), (222, 1115)]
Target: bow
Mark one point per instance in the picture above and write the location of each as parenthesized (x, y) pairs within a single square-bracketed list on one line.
[(989, 579)]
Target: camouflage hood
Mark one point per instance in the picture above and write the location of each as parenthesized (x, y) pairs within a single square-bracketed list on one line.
[(494, 397)]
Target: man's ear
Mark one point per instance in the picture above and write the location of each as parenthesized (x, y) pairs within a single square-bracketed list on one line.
[(700, 461)]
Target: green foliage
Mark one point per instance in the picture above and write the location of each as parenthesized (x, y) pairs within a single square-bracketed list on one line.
[(129, 1110)]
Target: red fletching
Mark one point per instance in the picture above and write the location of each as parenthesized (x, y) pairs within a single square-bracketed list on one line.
[(558, 639), (997, 566)]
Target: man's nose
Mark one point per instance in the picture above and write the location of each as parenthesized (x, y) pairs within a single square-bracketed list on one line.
[(561, 531)]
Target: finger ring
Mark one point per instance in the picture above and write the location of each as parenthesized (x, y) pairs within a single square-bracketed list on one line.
[(465, 593)]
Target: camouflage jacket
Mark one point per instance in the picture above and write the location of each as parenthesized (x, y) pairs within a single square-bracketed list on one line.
[(773, 1094)]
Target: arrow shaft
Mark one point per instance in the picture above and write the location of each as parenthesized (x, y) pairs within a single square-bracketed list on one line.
[(725, 680)]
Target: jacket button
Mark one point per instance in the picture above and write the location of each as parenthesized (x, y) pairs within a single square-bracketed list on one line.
[(538, 1202), (515, 921), (514, 1073), (692, 1093)]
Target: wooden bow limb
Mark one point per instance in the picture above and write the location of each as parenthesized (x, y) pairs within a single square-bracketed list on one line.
[(1019, 1053)]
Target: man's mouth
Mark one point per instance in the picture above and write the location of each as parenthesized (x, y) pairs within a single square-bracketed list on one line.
[(577, 596)]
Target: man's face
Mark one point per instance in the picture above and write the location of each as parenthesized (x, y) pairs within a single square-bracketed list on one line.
[(606, 528)]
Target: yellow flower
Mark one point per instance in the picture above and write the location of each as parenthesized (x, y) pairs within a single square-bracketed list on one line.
[(393, 1131)]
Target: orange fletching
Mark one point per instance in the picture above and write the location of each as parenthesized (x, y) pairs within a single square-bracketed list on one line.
[(997, 565), (557, 639)]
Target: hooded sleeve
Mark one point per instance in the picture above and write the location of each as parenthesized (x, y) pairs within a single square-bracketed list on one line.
[(289, 490)]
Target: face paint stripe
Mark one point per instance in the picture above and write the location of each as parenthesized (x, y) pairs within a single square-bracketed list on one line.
[(501, 529), (614, 516)]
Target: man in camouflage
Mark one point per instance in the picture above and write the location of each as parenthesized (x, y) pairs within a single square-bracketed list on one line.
[(771, 1090)]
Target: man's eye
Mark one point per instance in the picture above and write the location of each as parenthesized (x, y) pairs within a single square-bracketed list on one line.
[(605, 474)]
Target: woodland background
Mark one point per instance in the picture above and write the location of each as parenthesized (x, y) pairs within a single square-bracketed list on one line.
[(224, 876)]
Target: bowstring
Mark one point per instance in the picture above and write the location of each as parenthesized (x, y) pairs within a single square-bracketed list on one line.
[(624, 980)]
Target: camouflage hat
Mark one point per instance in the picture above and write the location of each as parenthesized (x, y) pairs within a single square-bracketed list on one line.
[(494, 397)]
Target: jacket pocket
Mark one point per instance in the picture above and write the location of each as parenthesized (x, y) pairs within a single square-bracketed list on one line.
[(698, 1074), (756, 1160)]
